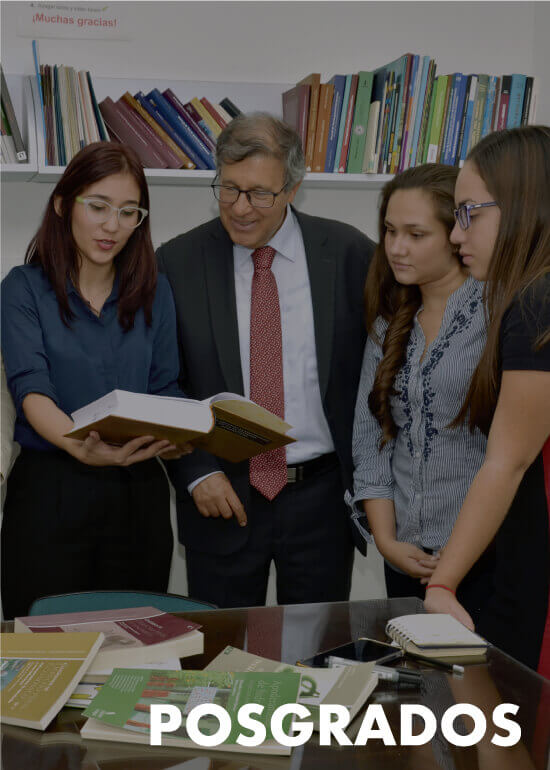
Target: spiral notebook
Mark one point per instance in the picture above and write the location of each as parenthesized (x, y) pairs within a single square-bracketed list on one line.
[(435, 636)]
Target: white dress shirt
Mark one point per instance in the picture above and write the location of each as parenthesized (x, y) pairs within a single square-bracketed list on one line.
[(303, 407)]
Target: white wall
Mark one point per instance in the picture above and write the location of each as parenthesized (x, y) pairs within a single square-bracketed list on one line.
[(278, 42)]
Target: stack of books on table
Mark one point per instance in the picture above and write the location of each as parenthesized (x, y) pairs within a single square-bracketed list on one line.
[(401, 115)]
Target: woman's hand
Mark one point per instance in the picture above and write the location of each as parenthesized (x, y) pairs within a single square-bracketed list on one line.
[(412, 560), (441, 600), (94, 451)]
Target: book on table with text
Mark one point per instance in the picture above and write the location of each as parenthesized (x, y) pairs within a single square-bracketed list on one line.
[(349, 686), (133, 635), (121, 709), (226, 425), (39, 672)]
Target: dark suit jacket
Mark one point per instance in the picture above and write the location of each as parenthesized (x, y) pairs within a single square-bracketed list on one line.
[(199, 266)]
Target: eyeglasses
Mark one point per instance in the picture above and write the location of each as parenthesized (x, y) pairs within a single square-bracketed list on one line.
[(99, 211), (462, 213), (260, 199)]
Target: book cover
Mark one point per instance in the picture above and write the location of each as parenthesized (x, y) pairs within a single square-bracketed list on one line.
[(321, 132), (437, 119), (190, 142), (124, 702), (226, 424), (515, 107), (38, 673), (125, 131), (132, 635), (314, 82), (339, 83), (230, 107), (348, 686), (214, 112), (175, 157), (169, 159), (20, 150), (360, 123), (504, 102), (343, 161), (189, 115), (479, 110), (467, 120)]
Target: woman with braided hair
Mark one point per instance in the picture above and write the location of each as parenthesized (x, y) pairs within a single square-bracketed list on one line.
[(426, 329)]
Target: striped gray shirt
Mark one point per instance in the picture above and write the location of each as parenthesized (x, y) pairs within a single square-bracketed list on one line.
[(428, 468)]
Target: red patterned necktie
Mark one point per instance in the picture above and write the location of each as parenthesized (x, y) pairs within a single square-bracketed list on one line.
[(268, 472)]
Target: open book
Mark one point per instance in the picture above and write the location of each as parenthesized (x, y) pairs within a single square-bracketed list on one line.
[(227, 425), (435, 636)]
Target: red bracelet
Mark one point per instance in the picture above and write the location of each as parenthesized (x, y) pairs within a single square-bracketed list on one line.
[(440, 585)]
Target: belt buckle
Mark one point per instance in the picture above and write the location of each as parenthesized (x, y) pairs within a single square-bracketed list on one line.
[(291, 475)]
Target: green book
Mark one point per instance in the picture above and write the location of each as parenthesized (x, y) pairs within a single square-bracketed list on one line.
[(121, 709), (437, 120), (360, 123)]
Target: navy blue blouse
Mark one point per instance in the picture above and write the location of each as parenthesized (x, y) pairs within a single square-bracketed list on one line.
[(79, 363)]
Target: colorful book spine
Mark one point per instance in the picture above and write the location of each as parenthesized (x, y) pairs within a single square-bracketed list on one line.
[(445, 125), (339, 83), (135, 116), (420, 107), (437, 120), (426, 116), (314, 82), (184, 147), (98, 117), (489, 105), (341, 127), (210, 123), (526, 101), (231, 108), (189, 115), (515, 108), (321, 132), (36, 60), (504, 102), (125, 130), (214, 112), (409, 111), (466, 127), (479, 110), (406, 70), (360, 123), (201, 155), (348, 125), (20, 151)]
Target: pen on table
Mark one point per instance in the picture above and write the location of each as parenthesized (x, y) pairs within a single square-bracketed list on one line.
[(397, 655), (398, 675), (452, 668)]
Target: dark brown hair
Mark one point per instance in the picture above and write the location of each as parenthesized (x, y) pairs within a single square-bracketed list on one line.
[(515, 167), (396, 303), (54, 249)]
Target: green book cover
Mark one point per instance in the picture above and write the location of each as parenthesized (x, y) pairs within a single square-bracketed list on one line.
[(437, 120), (360, 123), (124, 701)]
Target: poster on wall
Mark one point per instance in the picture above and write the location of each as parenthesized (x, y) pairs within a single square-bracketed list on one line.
[(94, 21)]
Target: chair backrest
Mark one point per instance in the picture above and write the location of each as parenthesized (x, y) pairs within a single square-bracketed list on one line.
[(86, 601)]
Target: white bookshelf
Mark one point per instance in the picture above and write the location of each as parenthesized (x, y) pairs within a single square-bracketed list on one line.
[(20, 93), (247, 96)]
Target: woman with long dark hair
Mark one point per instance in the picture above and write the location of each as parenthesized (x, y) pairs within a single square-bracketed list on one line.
[(426, 331), (503, 233), (86, 314)]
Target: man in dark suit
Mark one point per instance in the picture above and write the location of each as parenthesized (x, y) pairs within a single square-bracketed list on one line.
[(270, 305)]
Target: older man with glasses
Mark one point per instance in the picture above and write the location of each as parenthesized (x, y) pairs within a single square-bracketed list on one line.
[(270, 305)]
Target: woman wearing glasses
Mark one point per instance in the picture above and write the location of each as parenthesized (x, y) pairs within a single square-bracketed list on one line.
[(426, 332), (503, 233), (86, 314)]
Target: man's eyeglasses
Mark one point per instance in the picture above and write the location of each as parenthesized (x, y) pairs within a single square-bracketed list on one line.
[(260, 199), (99, 211), (462, 213)]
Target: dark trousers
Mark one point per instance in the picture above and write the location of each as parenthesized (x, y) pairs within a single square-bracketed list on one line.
[(473, 592), (71, 527), (304, 530)]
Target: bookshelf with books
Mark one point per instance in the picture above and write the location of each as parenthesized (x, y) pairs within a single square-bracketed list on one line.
[(19, 88)]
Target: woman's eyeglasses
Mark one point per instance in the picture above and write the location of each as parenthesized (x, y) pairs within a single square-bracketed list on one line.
[(462, 213), (99, 211)]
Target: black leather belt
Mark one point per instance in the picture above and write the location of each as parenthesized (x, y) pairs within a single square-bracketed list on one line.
[(302, 471)]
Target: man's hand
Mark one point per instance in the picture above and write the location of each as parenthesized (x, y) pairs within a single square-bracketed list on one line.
[(94, 451), (216, 497), (412, 560), (441, 600)]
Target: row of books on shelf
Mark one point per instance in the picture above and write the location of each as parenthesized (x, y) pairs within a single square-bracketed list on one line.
[(400, 115), (12, 148), (164, 131)]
